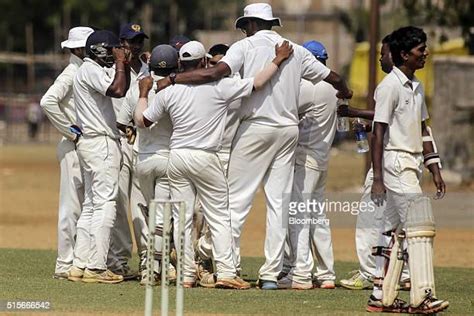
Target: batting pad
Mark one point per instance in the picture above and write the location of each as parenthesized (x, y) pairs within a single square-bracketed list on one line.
[(394, 270), (420, 231)]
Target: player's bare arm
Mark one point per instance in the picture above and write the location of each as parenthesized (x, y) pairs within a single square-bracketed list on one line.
[(145, 86), (221, 70), (343, 91), (431, 158), (198, 76), (121, 82), (349, 111), (378, 187)]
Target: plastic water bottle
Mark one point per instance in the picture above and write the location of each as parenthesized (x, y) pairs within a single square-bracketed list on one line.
[(342, 124), (361, 137)]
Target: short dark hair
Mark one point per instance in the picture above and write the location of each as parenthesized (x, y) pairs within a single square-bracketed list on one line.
[(404, 39), (218, 49), (163, 72), (386, 39), (190, 64)]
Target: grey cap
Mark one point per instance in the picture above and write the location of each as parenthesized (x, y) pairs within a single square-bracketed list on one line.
[(164, 57)]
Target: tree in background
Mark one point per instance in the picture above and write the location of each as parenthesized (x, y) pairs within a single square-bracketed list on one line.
[(437, 13), (446, 13)]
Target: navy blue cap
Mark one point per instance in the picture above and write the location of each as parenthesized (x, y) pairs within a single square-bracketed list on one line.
[(131, 30), (103, 38), (179, 40), (317, 49), (164, 57)]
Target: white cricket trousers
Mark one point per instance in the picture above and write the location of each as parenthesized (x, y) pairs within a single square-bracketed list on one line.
[(197, 173), (314, 230), (129, 195), (100, 158), (151, 172), (402, 173), (367, 232), (204, 244), (71, 197), (262, 153)]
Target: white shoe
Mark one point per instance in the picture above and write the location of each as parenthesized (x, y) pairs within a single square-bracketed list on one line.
[(324, 284), (101, 276), (287, 283), (75, 274), (155, 280)]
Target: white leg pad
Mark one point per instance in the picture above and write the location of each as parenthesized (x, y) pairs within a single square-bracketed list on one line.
[(392, 277), (420, 231)]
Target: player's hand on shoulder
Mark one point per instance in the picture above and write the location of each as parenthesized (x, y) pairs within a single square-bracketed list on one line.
[(283, 52), (145, 84)]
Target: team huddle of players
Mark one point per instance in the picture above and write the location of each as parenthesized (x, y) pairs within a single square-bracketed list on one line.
[(209, 128)]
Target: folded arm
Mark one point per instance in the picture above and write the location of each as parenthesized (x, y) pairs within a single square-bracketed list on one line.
[(50, 105)]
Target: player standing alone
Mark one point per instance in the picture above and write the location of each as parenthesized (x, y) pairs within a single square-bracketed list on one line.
[(399, 151)]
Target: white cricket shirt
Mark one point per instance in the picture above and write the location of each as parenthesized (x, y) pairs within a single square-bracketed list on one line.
[(277, 103), (198, 112), (403, 108), (94, 110), (317, 127), (232, 123), (152, 139), (58, 101)]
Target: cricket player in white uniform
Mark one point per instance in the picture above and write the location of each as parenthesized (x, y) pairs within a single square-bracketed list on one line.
[(368, 223), (58, 105), (204, 243), (198, 116), (272, 115), (132, 37), (153, 151), (317, 128), (99, 152), (398, 152)]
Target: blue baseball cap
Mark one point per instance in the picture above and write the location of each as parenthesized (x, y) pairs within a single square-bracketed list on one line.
[(131, 30), (163, 57), (317, 49), (178, 41)]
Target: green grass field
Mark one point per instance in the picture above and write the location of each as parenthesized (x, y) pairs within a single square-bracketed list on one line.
[(26, 275)]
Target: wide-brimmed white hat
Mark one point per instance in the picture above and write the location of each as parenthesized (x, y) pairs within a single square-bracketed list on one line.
[(77, 37), (192, 50), (259, 11)]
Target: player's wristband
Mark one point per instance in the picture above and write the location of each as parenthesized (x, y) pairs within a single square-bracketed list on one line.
[(431, 158)]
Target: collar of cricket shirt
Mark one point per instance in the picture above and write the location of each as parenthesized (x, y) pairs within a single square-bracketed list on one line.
[(73, 59), (415, 83)]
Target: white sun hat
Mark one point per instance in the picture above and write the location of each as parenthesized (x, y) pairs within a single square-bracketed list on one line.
[(260, 11), (77, 37)]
